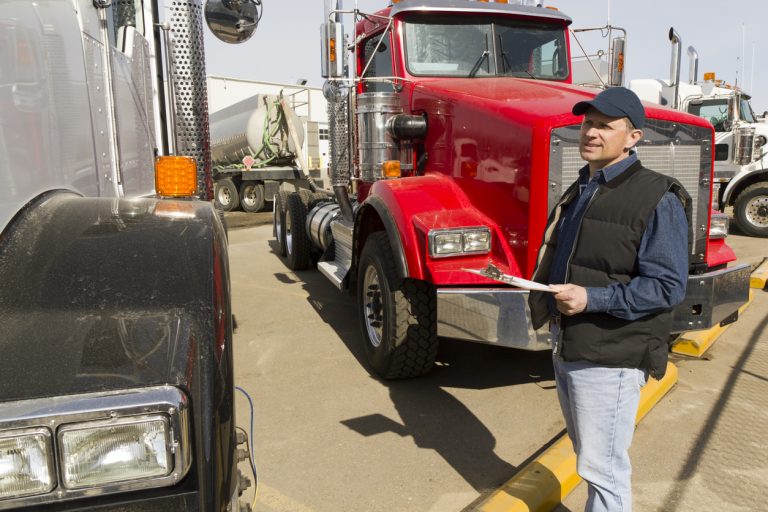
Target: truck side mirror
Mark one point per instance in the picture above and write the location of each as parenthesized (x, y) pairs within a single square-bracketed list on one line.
[(233, 21), (332, 50)]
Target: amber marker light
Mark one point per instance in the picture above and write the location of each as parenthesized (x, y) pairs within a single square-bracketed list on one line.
[(709, 77), (391, 169), (332, 49), (175, 176)]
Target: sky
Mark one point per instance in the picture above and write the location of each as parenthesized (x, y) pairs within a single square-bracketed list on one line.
[(286, 44)]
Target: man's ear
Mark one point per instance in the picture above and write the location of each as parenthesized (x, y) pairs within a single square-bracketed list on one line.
[(634, 137)]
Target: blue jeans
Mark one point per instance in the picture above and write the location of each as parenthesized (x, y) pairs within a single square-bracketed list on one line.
[(599, 404)]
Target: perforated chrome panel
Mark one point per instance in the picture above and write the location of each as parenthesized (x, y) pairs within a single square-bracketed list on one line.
[(680, 151), (338, 124), (188, 58)]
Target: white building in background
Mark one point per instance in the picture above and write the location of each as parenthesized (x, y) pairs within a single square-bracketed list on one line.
[(308, 103)]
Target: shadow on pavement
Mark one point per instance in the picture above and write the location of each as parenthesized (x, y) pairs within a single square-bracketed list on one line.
[(433, 417), (684, 477)]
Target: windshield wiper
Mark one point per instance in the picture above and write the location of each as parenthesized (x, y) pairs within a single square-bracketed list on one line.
[(507, 66), (479, 63)]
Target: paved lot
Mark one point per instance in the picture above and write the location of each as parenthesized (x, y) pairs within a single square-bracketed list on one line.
[(330, 437)]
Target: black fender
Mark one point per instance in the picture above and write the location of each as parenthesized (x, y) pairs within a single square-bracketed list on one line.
[(102, 294), (374, 215)]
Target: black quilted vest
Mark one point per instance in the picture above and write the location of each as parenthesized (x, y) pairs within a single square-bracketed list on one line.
[(606, 252)]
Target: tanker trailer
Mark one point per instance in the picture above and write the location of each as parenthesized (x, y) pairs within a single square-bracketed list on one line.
[(256, 145)]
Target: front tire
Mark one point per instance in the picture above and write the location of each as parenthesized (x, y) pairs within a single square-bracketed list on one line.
[(751, 210), (252, 196), (225, 195), (398, 317)]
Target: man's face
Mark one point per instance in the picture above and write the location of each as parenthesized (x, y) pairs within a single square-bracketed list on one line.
[(605, 140)]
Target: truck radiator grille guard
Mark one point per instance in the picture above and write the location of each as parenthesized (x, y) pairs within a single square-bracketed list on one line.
[(191, 99), (677, 150)]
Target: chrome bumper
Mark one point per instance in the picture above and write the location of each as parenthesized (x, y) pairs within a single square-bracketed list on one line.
[(712, 298), (496, 316), (501, 317)]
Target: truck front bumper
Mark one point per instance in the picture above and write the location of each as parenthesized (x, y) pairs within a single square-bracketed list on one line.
[(500, 316)]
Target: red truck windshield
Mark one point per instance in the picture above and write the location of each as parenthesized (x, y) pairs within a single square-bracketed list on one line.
[(479, 47)]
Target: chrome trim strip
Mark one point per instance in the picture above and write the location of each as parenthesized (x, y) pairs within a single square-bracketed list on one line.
[(464, 6), (489, 315), (54, 412)]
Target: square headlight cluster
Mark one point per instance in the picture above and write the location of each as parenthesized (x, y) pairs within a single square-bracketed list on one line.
[(444, 243), (90, 454), (77, 454)]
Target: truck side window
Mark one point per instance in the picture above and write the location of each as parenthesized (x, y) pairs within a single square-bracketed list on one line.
[(381, 65), (714, 111), (122, 14)]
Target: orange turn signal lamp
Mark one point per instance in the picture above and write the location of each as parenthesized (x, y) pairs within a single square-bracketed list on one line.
[(709, 77), (391, 169), (175, 176)]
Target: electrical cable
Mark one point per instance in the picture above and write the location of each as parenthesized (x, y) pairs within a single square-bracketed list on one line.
[(249, 447)]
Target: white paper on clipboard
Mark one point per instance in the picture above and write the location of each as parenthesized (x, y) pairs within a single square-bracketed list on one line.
[(495, 274)]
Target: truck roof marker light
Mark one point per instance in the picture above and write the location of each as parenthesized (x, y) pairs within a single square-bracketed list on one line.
[(175, 176), (391, 169), (501, 1), (552, 8), (709, 77)]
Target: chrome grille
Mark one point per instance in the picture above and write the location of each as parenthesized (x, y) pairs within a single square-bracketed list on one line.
[(680, 151), (188, 57)]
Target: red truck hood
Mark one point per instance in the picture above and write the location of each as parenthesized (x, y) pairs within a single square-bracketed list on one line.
[(530, 101)]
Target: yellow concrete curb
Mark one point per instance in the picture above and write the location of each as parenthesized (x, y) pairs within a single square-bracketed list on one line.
[(542, 484), (696, 343), (759, 276)]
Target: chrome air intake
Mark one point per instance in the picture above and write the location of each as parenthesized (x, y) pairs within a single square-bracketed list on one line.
[(678, 150), (377, 144), (191, 100), (743, 145)]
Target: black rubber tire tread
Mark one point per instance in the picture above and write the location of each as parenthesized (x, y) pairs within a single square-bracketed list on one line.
[(233, 193), (739, 209), (281, 199), (409, 345), (298, 256), (259, 191)]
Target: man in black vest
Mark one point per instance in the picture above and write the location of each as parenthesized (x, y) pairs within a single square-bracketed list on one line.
[(616, 254)]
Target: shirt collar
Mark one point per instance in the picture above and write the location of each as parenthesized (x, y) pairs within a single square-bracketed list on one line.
[(612, 171)]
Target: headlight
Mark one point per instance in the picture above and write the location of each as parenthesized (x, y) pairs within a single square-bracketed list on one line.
[(26, 465), (458, 242), (716, 196), (718, 226), (98, 453)]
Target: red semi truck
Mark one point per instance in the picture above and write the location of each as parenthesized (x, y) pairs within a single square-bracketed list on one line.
[(451, 140)]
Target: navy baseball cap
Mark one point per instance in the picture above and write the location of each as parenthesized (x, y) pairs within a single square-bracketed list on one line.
[(615, 102)]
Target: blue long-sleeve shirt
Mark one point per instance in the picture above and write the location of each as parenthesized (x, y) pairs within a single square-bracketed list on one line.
[(662, 256)]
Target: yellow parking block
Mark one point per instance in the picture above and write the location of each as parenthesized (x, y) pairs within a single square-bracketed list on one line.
[(696, 343), (542, 484), (759, 276)]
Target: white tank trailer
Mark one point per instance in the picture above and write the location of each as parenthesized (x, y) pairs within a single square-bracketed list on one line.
[(256, 145)]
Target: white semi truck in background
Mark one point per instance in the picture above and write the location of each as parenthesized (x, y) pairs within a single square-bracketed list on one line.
[(116, 375), (740, 176)]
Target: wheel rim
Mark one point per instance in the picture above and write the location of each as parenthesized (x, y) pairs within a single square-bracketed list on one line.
[(288, 232), (249, 195), (225, 197), (374, 306), (757, 211)]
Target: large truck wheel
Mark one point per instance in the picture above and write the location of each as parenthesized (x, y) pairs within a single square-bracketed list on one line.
[(225, 195), (751, 209), (278, 221), (297, 244), (252, 196), (398, 317)]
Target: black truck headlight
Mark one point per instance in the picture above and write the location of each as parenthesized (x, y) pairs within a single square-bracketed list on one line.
[(128, 449), (444, 243), (26, 463)]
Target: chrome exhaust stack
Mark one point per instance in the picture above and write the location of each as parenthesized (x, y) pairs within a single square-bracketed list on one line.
[(674, 70), (693, 68)]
